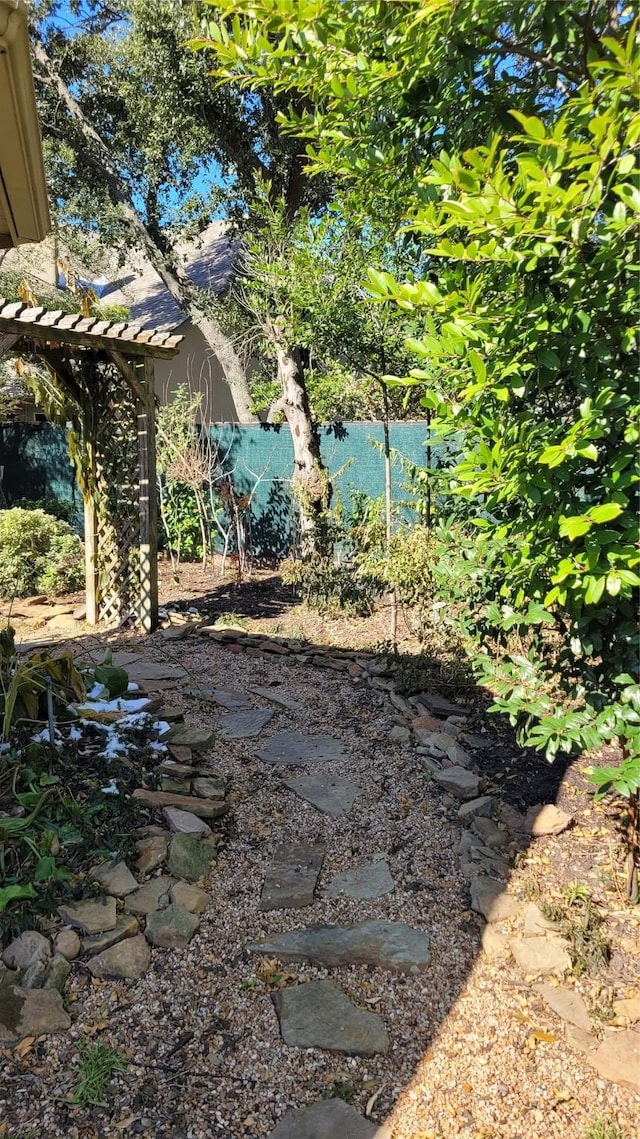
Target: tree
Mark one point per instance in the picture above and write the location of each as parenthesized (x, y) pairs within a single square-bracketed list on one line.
[(141, 147), (529, 298)]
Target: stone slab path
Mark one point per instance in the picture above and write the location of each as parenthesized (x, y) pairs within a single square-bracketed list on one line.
[(333, 795), (344, 838), (292, 877), (319, 1015), (289, 749)]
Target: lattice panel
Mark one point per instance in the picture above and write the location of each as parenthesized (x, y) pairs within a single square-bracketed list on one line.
[(117, 498)]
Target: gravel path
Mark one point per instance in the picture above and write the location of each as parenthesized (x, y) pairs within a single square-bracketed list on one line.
[(206, 1056)]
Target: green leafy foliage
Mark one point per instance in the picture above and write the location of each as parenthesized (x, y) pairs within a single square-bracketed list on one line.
[(97, 1064), (38, 554)]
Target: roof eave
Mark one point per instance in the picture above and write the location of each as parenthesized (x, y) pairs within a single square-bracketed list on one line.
[(24, 208)]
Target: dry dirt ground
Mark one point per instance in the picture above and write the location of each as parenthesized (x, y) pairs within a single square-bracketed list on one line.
[(475, 1052)]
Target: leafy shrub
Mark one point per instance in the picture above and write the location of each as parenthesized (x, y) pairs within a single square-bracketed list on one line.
[(331, 587), (56, 507), (38, 554)]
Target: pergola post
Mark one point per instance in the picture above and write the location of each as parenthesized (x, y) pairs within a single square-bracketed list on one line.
[(148, 497), (90, 566)]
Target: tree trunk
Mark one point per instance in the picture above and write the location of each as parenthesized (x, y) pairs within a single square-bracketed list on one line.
[(311, 483), (173, 276)]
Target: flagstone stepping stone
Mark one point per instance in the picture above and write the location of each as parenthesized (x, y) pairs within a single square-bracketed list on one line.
[(243, 725), (198, 739), (30, 1012), (439, 705), (185, 822), (291, 748), (92, 916), (203, 808), (489, 898), (541, 956), (190, 898), (566, 1003), (292, 876), (126, 926), (141, 670), (152, 896), (618, 1059), (172, 928), (127, 961), (152, 852), (385, 944), (229, 698), (329, 1119), (209, 787), (331, 794), (280, 698), (459, 782), (319, 1015), (190, 857), (116, 878), (371, 880)]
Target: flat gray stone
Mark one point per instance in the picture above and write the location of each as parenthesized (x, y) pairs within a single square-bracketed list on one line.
[(331, 794), (185, 822), (172, 928), (190, 857), (126, 926), (279, 698), (329, 1119), (229, 698), (31, 946), (545, 820), (439, 705), (209, 787), (490, 833), (490, 899), (150, 897), (536, 924), (292, 876), (618, 1059), (90, 916), (30, 1012), (385, 944), (115, 877), (319, 1015), (371, 880), (484, 807), (128, 960), (459, 782), (568, 1004), (540, 956), (290, 748), (181, 735), (243, 725)]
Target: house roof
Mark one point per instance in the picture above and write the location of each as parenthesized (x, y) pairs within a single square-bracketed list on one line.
[(18, 320), (24, 210), (208, 261)]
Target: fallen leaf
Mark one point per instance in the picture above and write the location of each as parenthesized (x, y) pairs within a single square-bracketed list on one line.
[(371, 1102), (24, 1046)]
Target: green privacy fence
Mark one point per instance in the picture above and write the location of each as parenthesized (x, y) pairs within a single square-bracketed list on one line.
[(258, 458)]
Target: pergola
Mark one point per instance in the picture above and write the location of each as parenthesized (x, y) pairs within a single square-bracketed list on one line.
[(104, 375)]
